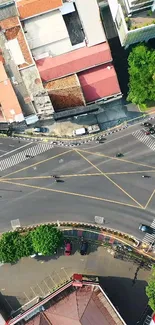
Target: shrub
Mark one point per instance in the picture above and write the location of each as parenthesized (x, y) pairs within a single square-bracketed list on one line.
[(46, 239)]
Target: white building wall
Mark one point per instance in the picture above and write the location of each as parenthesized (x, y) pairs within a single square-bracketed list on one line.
[(90, 18)]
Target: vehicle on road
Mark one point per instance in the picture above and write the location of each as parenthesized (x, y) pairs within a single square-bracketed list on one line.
[(147, 132), (57, 180), (68, 248), (152, 131), (147, 124), (119, 155), (84, 247), (146, 228), (146, 176), (41, 129)]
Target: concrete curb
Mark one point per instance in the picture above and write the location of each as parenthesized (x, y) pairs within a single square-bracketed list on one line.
[(71, 142), (82, 225)]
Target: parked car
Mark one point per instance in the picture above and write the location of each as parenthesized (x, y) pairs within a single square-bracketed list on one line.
[(41, 129), (146, 228), (152, 131), (68, 248), (83, 248), (147, 124)]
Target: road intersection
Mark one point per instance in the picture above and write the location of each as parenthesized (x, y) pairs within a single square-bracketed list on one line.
[(95, 183)]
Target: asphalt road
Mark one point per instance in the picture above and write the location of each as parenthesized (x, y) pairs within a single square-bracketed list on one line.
[(95, 183)]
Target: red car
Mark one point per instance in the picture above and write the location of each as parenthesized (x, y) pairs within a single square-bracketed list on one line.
[(147, 132), (68, 248)]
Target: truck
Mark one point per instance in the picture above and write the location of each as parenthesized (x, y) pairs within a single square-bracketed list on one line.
[(80, 131), (93, 128)]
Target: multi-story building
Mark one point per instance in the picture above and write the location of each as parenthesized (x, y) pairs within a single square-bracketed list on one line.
[(19, 63), (134, 20), (57, 53)]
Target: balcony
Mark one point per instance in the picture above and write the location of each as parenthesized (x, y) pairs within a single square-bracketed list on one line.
[(140, 19)]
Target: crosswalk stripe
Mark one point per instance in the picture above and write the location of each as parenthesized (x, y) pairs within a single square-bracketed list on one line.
[(21, 156), (149, 142), (150, 238)]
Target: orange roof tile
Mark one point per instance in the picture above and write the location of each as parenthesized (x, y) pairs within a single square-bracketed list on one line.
[(16, 32), (65, 92), (9, 103), (9, 22), (29, 8)]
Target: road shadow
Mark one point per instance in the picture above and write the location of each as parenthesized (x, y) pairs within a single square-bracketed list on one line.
[(128, 298)]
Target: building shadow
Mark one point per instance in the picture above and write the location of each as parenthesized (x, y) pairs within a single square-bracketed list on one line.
[(128, 296), (8, 305)]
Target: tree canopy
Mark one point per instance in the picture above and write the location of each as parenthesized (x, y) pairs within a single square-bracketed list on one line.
[(11, 247), (46, 239), (141, 70), (150, 290)]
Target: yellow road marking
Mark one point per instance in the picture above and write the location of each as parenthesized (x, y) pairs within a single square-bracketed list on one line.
[(50, 177), (71, 193), (38, 163), (115, 158), (78, 175), (131, 172), (120, 188), (150, 198)]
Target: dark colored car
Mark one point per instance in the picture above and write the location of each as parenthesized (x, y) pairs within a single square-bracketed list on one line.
[(41, 129), (68, 248), (147, 124), (119, 155), (146, 228), (83, 248), (57, 180), (152, 131)]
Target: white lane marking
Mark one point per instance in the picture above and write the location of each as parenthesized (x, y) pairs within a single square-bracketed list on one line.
[(11, 145), (24, 155), (25, 145), (3, 150), (150, 238), (142, 137)]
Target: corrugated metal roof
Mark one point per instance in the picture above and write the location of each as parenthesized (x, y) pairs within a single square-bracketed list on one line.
[(99, 82), (72, 62)]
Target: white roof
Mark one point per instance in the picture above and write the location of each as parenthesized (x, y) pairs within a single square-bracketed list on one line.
[(90, 17), (16, 52)]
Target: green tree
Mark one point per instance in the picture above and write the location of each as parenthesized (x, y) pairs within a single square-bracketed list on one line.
[(46, 239), (141, 62), (11, 247), (27, 244), (150, 290)]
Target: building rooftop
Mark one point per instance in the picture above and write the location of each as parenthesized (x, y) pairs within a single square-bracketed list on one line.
[(29, 8), (99, 82), (65, 92), (10, 109), (141, 19), (18, 46), (74, 61), (78, 302)]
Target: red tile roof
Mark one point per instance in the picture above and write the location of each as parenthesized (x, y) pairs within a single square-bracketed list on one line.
[(99, 82), (84, 306), (29, 8), (72, 62)]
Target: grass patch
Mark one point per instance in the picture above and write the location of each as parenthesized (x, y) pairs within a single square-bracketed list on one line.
[(147, 106)]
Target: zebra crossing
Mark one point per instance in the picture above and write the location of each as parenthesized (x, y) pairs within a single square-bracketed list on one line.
[(147, 140), (150, 238), (24, 155)]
